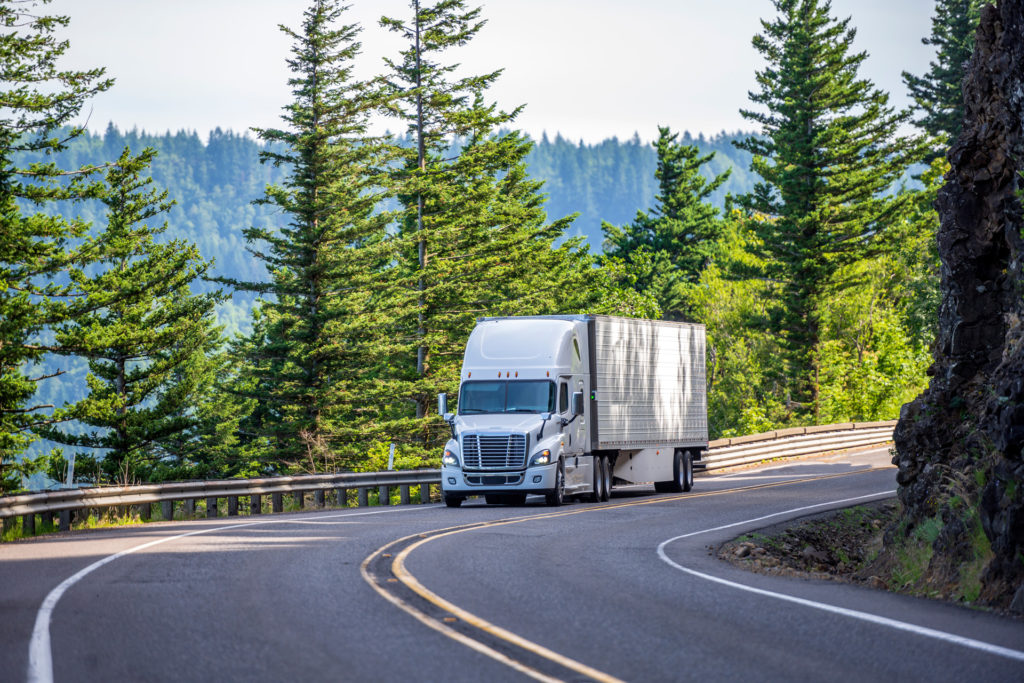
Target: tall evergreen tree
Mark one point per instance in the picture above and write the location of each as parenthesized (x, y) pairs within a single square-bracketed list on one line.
[(39, 102), (827, 153), (680, 231), (937, 93), (145, 335), (475, 236), (320, 334)]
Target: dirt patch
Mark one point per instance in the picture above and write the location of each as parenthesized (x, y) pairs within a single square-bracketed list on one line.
[(837, 545)]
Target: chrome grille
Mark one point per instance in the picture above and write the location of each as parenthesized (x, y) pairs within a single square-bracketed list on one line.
[(494, 451)]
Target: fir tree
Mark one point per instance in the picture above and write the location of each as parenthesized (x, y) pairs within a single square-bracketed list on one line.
[(39, 102), (475, 237), (145, 335), (320, 332), (680, 231), (937, 93), (828, 154)]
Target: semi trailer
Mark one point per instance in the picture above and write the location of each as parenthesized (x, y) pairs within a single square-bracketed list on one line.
[(570, 405)]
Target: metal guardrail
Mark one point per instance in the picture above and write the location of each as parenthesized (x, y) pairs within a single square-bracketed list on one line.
[(64, 503), (793, 442)]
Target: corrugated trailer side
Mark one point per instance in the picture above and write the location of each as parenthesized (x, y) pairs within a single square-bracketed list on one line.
[(648, 384)]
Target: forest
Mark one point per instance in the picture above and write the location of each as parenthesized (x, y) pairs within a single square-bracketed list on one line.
[(180, 308)]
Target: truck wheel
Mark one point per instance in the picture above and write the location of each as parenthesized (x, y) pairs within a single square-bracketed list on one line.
[(688, 469), (453, 501), (606, 467), (595, 496), (557, 496)]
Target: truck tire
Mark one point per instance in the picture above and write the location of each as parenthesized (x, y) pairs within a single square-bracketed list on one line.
[(595, 495), (606, 490), (453, 501), (557, 495)]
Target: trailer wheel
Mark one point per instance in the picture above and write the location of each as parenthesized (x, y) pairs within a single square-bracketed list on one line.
[(688, 470), (606, 488), (678, 483), (453, 501), (557, 495)]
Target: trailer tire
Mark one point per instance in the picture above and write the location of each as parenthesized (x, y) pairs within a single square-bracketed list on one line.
[(453, 501), (678, 483), (557, 495)]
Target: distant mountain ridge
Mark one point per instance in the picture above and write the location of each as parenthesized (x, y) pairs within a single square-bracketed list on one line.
[(214, 182)]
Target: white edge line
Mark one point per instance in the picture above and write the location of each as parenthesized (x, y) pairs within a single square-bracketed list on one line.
[(40, 657), (854, 614)]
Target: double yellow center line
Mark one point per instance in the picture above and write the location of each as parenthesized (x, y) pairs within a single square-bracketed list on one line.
[(385, 570)]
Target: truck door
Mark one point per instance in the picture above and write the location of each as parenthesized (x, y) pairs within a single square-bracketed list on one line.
[(572, 434)]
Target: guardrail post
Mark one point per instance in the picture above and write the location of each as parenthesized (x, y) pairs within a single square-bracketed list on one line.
[(167, 509), (232, 506), (364, 497), (384, 495), (341, 497), (28, 524), (146, 512), (190, 508), (8, 524), (403, 494), (319, 498), (424, 493), (65, 520), (211, 507), (300, 499), (277, 502), (255, 504)]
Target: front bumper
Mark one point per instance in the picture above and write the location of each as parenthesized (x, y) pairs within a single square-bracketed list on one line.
[(537, 479)]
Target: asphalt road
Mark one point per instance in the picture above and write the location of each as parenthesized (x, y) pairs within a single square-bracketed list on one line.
[(623, 590)]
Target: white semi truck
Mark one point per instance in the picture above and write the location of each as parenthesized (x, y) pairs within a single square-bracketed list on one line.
[(567, 405)]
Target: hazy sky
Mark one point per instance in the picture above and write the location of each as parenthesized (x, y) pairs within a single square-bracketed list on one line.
[(589, 69)]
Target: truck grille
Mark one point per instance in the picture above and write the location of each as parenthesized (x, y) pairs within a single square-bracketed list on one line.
[(494, 452)]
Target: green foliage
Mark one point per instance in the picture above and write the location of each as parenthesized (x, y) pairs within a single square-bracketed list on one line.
[(39, 100), (680, 232), (473, 238), (937, 93), (317, 331), (828, 155), (146, 337)]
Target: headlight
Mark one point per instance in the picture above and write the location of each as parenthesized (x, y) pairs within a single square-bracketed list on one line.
[(542, 458), (449, 458)]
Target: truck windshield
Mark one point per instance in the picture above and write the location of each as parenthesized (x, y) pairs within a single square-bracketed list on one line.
[(507, 397)]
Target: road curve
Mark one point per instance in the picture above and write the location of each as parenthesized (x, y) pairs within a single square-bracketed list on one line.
[(625, 590)]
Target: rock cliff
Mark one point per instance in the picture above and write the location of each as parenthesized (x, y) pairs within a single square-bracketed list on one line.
[(959, 445)]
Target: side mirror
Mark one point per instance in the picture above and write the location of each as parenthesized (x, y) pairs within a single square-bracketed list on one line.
[(448, 417), (545, 416), (442, 404), (577, 403)]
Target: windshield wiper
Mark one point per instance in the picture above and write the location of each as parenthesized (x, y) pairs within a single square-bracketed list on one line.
[(473, 410), (522, 410)]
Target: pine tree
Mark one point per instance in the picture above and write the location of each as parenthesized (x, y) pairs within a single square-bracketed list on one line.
[(475, 237), (145, 335), (680, 232), (39, 102), (320, 333), (827, 153), (937, 93)]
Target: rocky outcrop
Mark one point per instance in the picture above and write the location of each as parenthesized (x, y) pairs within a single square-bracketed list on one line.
[(959, 445)]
